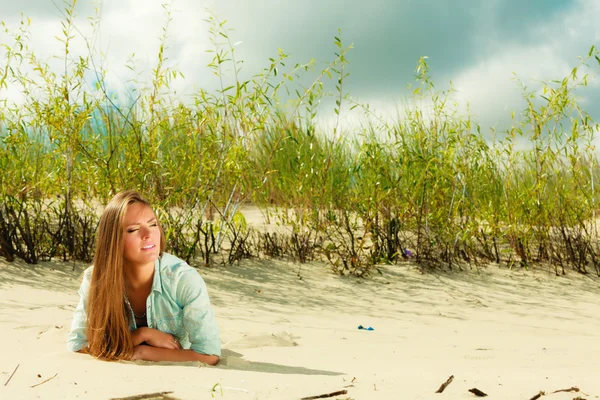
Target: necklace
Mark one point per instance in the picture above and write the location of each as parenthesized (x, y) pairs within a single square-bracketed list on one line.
[(139, 316), (134, 314)]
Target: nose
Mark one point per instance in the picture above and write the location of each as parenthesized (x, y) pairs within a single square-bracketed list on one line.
[(145, 232)]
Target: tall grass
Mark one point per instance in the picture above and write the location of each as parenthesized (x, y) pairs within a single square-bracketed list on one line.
[(430, 186)]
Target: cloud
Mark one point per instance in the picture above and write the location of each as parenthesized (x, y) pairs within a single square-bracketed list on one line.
[(42, 9), (477, 45), (492, 88), (489, 85)]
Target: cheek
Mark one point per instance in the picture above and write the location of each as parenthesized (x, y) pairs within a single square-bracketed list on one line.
[(155, 235), (128, 244)]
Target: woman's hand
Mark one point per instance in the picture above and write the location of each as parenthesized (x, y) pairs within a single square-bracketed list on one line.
[(138, 352), (150, 353), (155, 338)]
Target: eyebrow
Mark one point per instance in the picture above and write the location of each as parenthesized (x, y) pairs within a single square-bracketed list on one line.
[(139, 223)]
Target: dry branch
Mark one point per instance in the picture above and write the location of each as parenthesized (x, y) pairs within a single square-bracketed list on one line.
[(157, 395), (47, 380), (324, 396), (11, 375), (445, 384), (477, 392), (571, 389), (537, 396)]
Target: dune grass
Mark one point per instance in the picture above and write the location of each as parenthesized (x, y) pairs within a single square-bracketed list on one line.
[(431, 186)]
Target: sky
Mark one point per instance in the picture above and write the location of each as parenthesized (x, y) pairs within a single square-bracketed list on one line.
[(479, 46)]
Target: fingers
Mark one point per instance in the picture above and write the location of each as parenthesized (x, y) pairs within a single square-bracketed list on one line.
[(173, 343), (163, 340)]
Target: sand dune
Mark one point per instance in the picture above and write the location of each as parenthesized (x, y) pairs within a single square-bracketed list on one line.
[(509, 334)]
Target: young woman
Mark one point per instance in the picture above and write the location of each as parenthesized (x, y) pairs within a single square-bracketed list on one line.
[(137, 302)]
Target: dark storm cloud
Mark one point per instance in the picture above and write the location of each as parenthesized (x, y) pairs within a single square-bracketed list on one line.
[(476, 44), (389, 36)]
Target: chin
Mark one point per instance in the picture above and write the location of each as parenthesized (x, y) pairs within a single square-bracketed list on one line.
[(146, 258), (153, 256)]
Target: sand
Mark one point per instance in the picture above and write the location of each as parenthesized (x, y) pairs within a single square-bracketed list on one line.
[(510, 334)]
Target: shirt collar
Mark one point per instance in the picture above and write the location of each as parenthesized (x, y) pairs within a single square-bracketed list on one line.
[(157, 282)]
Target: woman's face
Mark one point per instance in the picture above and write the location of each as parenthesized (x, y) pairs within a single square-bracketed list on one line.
[(141, 236)]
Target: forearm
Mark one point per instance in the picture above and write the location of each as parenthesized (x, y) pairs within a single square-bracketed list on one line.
[(139, 336), (150, 353)]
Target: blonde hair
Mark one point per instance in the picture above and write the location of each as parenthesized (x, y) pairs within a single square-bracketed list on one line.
[(107, 315)]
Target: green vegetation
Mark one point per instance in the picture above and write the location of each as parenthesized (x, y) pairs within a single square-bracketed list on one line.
[(429, 186)]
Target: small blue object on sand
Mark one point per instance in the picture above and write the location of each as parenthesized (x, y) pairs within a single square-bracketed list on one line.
[(366, 329)]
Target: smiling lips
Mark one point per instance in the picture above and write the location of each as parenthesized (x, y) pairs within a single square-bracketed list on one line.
[(149, 247)]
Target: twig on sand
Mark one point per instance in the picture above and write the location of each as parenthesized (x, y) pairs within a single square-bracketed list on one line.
[(11, 375), (49, 379), (541, 393), (477, 392), (537, 396), (157, 395), (571, 389), (324, 396), (445, 384)]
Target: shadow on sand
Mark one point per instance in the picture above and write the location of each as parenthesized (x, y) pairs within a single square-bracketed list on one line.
[(232, 360), (235, 361)]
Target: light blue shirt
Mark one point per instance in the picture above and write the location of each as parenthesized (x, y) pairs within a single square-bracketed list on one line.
[(178, 304)]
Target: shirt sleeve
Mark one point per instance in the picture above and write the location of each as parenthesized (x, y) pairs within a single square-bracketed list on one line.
[(77, 338), (198, 317)]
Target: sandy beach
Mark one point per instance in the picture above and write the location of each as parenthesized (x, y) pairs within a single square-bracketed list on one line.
[(290, 332), (353, 133)]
